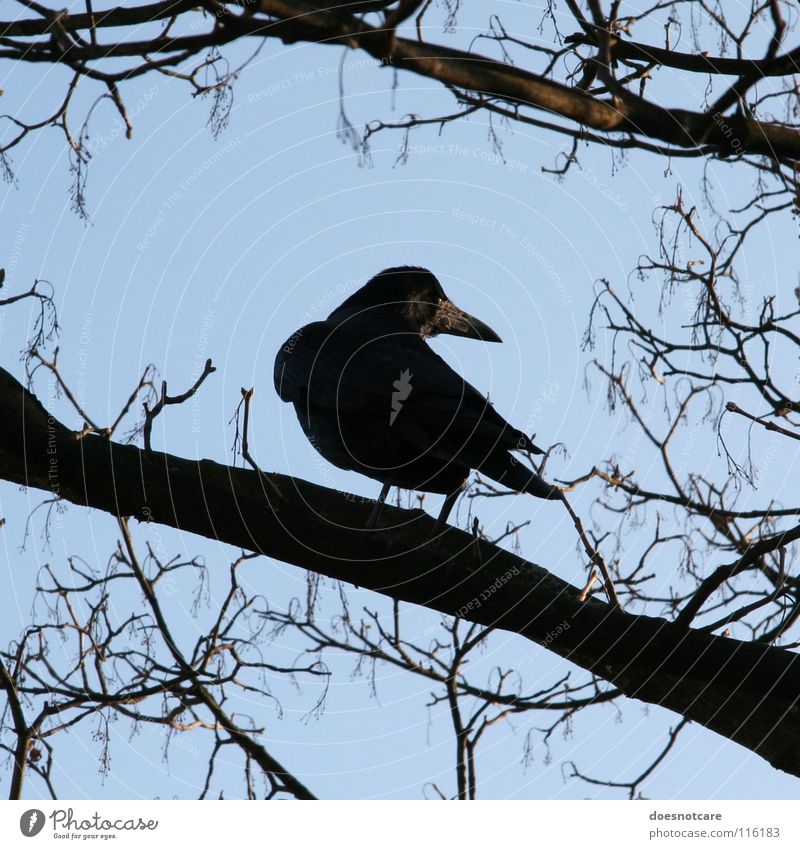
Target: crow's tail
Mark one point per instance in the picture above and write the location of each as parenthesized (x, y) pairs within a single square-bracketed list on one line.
[(508, 471)]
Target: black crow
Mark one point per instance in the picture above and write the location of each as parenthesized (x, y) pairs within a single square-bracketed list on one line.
[(371, 396)]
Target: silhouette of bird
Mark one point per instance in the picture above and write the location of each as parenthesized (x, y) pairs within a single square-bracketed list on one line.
[(372, 397)]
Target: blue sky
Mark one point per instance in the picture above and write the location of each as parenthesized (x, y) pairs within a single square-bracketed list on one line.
[(200, 247)]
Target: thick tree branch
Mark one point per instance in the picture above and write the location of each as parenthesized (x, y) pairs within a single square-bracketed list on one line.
[(118, 16), (297, 21), (747, 692), (698, 63)]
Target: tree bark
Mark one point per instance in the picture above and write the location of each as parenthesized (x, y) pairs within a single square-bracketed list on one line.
[(748, 692)]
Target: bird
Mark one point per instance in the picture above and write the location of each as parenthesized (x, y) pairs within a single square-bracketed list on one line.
[(371, 395)]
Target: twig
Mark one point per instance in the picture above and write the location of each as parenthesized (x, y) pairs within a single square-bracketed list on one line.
[(244, 404), (595, 558), (52, 366), (731, 407), (587, 588), (247, 396), (150, 415)]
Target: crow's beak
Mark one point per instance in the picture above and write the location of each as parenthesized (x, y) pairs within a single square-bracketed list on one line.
[(456, 322)]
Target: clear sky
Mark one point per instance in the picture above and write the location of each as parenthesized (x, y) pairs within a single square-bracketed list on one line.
[(199, 247)]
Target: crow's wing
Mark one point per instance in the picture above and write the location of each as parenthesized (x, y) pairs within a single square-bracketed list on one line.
[(399, 385)]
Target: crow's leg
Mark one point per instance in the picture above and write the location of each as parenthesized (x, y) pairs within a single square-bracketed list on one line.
[(376, 510), (448, 505)]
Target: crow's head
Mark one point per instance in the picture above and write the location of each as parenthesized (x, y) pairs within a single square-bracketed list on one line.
[(414, 299)]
